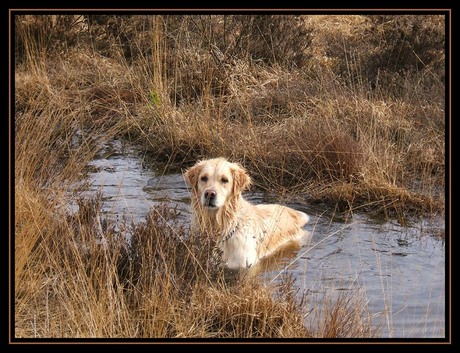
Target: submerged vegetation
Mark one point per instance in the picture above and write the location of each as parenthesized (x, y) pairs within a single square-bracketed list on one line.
[(343, 109)]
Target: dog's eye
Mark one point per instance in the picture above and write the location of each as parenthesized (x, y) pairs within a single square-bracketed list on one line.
[(224, 180), (204, 178)]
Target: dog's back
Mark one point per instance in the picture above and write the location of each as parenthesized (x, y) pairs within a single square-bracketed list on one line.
[(280, 224)]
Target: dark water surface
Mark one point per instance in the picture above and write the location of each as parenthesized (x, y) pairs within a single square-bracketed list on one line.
[(399, 272)]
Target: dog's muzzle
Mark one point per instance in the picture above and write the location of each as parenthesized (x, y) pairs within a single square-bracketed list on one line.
[(210, 198)]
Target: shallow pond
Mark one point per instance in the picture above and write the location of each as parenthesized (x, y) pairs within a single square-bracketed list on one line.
[(398, 271)]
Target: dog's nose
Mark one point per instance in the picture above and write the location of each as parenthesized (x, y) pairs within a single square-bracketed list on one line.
[(210, 195)]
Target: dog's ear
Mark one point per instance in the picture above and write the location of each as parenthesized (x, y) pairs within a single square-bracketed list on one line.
[(191, 175), (241, 179)]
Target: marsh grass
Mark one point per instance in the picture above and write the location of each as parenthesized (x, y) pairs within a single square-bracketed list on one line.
[(302, 119), (339, 315), (152, 280), (322, 114), (351, 131)]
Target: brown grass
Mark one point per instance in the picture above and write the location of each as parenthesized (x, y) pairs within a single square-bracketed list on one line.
[(329, 125), (86, 280), (324, 117), (342, 316)]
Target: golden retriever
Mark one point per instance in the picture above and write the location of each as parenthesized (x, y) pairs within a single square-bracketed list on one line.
[(244, 232)]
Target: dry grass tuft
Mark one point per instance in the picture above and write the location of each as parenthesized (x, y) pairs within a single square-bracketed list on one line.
[(342, 316)]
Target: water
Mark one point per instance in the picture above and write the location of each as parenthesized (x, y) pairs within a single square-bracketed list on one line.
[(398, 271)]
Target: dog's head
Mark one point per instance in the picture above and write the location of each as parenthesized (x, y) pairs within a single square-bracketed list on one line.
[(216, 181)]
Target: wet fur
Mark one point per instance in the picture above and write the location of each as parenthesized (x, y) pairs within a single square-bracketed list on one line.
[(244, 232)]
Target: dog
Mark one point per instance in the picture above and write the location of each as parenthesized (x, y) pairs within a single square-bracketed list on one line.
[(245, 233)]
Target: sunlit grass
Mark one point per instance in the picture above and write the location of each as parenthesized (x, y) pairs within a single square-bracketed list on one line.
[(300, 129)]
